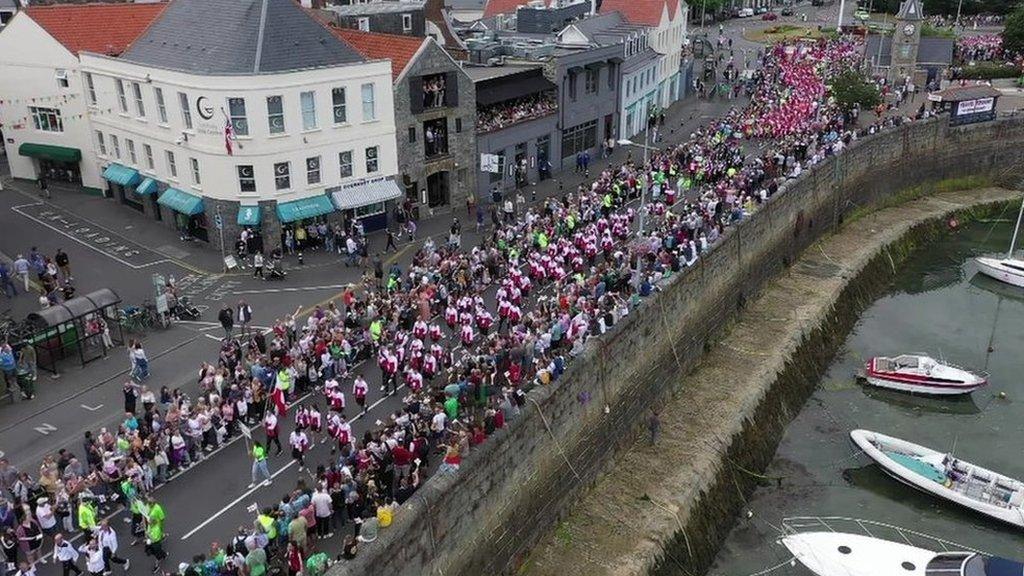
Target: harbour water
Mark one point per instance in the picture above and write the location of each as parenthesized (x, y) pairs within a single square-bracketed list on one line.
[(937, 305)]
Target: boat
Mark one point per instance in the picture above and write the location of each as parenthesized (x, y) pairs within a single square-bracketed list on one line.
[(920, 374), (829, 553), (1009, 270), (945, 476)]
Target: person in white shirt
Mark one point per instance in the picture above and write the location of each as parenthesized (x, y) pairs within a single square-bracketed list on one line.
[(66, 554), (108, 542), (322, 508), (299, 443), (25, 569), (93, 557)]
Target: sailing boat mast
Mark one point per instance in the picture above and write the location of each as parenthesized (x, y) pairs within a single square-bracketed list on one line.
[(1016, 229)]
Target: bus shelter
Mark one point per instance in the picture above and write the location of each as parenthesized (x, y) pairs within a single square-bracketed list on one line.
[(84, 327)]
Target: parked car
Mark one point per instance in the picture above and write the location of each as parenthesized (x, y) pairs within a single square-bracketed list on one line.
[(787, 11), (769, 16), (762, 10), (861, 15), (746, 12)]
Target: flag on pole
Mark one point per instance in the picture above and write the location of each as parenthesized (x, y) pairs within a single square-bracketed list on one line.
[(229, 136)]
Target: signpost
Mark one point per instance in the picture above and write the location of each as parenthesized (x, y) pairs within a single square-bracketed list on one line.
[(219, 222)]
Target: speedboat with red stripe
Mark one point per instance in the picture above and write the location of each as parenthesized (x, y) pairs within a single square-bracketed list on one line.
[(920, 374)]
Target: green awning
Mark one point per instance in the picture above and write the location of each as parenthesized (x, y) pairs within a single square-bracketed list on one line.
[(47, 152), (249, 215), (304, 208), (183, 202), (146, 187), (122, 175)]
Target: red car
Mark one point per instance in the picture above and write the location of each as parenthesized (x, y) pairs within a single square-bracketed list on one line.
[(769, 16)]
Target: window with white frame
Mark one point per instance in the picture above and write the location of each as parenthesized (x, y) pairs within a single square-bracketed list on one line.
[(372, 162), (90, 88), (307, 101), (115, 146), (369, 106), (406, 22), (130, 145), (62, 78), (161, 106), (122, 99), (313, 170), (140, 107), (101, 143), (275, 114), (345, 163), (172, 165), (246, 178), (147, 151), (236, 111), (282, 175), (338, 101), (46, 119), (186, 113), (196, 177), (364, 24)]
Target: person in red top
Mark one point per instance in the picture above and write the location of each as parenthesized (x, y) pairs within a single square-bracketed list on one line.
[(402, 459), (295, 560)]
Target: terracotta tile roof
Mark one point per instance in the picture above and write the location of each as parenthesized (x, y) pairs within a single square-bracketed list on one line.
[(495, 7), (101, 28), (646, 12), (373, 45)]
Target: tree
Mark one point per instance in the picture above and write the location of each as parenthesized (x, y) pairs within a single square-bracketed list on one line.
[(1013, 34), (851, 89)]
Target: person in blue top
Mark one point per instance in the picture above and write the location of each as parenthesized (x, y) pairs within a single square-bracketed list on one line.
[(9, 367), (5, 281)]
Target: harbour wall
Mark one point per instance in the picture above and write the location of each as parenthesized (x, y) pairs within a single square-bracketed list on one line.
[(485, 518)]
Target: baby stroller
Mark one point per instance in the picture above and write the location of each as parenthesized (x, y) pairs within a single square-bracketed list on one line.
[(185, 310), (274, 270)]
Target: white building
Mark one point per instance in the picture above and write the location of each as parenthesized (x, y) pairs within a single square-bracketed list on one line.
[(666, 22), (246, 109)]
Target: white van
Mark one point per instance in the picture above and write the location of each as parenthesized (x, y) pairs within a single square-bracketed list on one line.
[(746, 12)]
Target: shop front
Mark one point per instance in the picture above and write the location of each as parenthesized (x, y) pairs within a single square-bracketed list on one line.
[(366, 201), (147, 193), (122, 182), (251, 218), (55, 163), (189, 213), (300, 221)]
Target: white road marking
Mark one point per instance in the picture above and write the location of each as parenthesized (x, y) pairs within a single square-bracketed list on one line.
[(92, 408), (83, 242), (45, 429), (294, 289)]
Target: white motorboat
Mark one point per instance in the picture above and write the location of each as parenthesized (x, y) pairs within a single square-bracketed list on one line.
[(942, 475), (1009, 269), (921, 374), (843, 554)]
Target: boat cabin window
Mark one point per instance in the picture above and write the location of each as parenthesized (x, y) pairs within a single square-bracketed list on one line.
[(906, 362), (1013, 266), (975, 566), (949, 564)]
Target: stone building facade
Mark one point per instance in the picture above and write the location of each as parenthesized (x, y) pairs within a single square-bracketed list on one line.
[(439, 171)]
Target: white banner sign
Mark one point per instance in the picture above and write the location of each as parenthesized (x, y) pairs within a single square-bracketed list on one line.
[(974, 106)]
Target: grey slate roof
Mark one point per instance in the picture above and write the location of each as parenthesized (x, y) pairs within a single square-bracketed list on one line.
[(8, 5), (931, 50), (238, 37)]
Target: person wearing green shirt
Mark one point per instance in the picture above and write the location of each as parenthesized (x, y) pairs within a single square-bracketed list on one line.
[(87, 517), (259, 464), (451, 408), (266, 522), (155, 532), (375, 329)]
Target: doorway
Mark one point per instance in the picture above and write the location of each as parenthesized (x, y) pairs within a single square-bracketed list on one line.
[(437, 189)]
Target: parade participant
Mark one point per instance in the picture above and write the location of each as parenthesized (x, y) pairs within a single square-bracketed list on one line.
[(259, 464)]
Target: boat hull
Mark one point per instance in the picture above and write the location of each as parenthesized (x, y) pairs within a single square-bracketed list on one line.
[(869, 442), (921, 388), (840, 554), (996, 268)]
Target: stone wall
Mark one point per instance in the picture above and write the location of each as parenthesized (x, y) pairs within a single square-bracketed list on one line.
[(509, 493)]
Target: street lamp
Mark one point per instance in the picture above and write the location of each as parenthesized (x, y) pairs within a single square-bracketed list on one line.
[(643, 195)]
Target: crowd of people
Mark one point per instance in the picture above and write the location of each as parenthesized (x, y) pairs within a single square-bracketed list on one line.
[(979, 48), (460, 335), (53, 275), (505, 114)]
